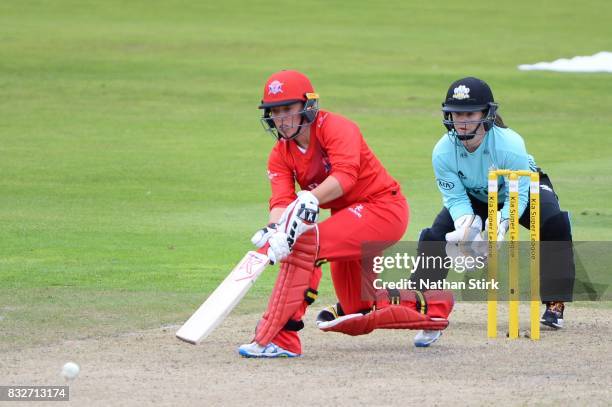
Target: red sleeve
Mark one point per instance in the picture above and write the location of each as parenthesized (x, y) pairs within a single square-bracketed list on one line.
[(281, 179), (342, 140)]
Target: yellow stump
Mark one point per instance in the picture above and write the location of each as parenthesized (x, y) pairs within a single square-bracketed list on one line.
[(492, 270), (534, 237), (513, 272)]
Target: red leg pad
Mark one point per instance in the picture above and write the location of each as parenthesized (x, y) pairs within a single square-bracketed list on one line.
[(390, 317), (434, 303), (439, 303), (416, 310), (293, 280)]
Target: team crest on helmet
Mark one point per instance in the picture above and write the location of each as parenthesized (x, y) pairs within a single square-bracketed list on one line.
[(275, 87), (461, 92)]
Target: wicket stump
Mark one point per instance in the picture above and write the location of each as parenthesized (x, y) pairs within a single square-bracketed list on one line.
[(513, 273)]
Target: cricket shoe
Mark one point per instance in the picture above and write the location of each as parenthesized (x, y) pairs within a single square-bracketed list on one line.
[(329, 313), (425, 338), (255, 350), (334, 315), (553, 316)]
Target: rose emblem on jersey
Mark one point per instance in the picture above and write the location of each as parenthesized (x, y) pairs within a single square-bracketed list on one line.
[(461, 92), (275, 87)]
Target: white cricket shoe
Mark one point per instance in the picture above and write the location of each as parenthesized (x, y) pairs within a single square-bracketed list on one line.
[(425, 338), (255, 350)]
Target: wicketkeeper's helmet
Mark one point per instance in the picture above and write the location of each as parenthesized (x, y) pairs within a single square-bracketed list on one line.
[(469, 95)]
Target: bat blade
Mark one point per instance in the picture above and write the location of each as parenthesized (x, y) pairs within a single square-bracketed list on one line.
[(223, 300)]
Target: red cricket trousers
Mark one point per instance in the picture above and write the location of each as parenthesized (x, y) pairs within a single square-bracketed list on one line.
[(341, 239)]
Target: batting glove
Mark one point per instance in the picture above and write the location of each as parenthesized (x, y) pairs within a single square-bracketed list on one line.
[(299, 216), (279, 247), (260, 238)]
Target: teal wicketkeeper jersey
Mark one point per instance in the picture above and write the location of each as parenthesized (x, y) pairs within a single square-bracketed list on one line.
[(459, 172)]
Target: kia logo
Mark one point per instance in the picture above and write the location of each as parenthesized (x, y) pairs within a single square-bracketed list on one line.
[(446, 185)]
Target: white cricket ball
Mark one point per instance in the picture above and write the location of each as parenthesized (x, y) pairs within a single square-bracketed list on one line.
[(70, 371)]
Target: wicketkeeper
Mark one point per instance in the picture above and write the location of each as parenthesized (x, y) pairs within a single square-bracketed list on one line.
[(326, 155), (476, 141)]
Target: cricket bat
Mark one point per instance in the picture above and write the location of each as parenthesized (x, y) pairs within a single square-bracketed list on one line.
[(223, 300)]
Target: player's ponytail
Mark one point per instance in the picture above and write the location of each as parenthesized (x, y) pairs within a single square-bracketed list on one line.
[(499, 122)]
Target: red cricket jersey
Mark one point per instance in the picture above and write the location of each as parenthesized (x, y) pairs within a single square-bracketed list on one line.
[(336, 148)]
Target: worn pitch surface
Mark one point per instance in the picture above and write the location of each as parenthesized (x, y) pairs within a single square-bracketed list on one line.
[(383, 368)]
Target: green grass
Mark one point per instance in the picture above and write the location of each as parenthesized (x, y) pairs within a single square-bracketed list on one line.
[(133, 164)]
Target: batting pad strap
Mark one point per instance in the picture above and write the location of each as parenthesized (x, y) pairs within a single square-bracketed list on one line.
[(394, 296), (293, 325), (291, 284), (390, 317), (421, 302), (310, 295)]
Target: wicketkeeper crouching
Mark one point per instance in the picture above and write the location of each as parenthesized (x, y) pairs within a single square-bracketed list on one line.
[(476, 141), (328, 157)]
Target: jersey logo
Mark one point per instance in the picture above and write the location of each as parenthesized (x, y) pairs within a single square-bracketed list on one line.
[(461, 92), (357, 210), (275, 87), (272, 175), (321, 119), (445, 185)]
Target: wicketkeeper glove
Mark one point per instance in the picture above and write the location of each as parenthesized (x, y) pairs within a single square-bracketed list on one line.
[(502, 227), (467, 229), (469, 255)]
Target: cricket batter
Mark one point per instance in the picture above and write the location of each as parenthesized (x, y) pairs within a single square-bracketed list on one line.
[(326, 155), (477, 140)]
